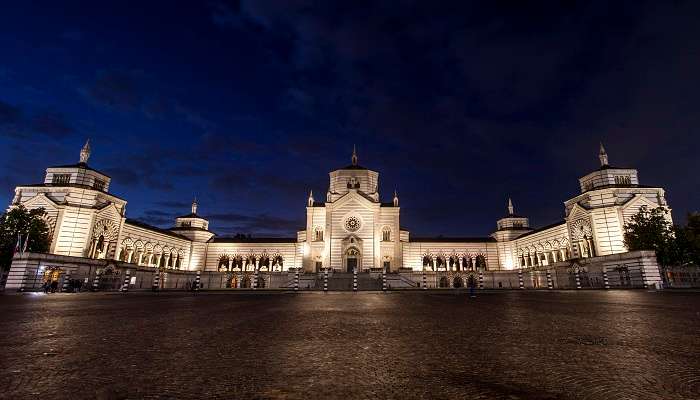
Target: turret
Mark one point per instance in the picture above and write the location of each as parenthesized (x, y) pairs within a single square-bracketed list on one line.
[(512, 225), (608, 175), (310, 201), (603, 156), (85, 152), (396, 199)]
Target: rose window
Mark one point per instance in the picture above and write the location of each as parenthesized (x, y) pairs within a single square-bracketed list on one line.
[(352, 224)]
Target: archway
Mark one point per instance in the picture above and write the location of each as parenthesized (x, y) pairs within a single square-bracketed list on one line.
[(458, 282), (352, 259), (245, 282), (444, 282), (471, 281)]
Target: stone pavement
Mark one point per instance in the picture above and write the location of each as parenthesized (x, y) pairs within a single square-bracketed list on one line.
[(514, 345)]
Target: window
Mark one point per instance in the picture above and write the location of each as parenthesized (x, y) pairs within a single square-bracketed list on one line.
[(386, 235), (517, 224), (99, 185), (319, 265), (387, 265), (318, 234), (622, 180), (60, 179)]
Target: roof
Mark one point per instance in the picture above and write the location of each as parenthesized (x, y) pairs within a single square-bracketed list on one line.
[(515, 228), (189, 228), (615, 185), (544, 228), (319, 204), (191, 215), (253, 240), (74, 185), (603, 167), (144, 225), (390, 204), (513, 216), (80, 165), (441, 239), (354, 167)]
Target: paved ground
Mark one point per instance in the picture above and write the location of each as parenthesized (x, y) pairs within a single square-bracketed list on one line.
[(593, 345)]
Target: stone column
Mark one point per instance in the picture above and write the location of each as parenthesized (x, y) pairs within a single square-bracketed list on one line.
[(434, 268), (460, 264), (129, 255), (554, 256)]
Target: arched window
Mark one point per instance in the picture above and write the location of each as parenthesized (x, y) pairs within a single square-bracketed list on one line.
[(318, 234), (386, 234)]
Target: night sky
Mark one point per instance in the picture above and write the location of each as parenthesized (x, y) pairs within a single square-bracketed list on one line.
[(248, 105)]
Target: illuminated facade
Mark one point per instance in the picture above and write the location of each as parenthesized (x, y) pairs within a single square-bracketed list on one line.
[(352, 229)]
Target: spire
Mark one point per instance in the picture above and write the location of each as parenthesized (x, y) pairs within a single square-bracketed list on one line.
[(396, 199), (85, 152), (511, 210), (603, 156), (194, 206), (354, 155), (310, 202)]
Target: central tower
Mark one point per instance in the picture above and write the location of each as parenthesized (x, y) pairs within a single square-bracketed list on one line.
[(352, 229)]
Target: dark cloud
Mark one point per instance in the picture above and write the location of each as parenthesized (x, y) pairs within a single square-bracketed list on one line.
[(9, 114), (116, 89), (16, 123), (260, 224), (51, 124)]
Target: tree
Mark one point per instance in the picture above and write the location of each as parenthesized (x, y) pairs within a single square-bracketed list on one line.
[(20, 221), (686, 244), (651, 230)]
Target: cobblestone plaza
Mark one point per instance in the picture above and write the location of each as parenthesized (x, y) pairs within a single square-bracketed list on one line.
[(591, 344)]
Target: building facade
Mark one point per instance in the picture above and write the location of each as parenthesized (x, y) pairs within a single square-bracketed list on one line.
[(353, 229)]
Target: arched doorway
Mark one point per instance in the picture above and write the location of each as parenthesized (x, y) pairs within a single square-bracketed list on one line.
[(352, 259), (458, 282), (471, 281), (245, 282), (444, 282)]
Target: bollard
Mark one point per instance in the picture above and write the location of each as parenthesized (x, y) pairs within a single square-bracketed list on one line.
[(296, 280), (550, 284), (578, 280), (96, 282), (354, 280), (66, 281), (127, 278), (481, 280), (156, 281), (606, 283), (425, 284), (521, 284), (255, 278), (197, 280), (644, 277), (325, 280), (384, 280)]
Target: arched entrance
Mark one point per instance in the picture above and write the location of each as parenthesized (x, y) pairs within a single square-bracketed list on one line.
[(458, 282), (444, 282), (352, 259), (471, 281)]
